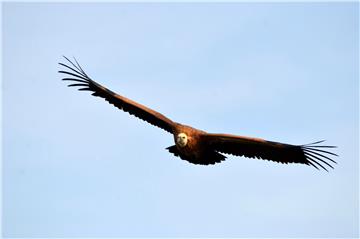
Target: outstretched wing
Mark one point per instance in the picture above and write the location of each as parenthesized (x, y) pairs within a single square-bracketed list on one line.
[(309, 154), (81, 79)]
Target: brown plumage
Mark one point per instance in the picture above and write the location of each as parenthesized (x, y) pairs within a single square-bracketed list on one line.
[(199, 147)]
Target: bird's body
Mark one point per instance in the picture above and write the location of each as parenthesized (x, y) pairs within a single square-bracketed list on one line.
[(193, 150), (197, 146)]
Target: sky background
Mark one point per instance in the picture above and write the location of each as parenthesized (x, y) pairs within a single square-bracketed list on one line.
[(73, 165)]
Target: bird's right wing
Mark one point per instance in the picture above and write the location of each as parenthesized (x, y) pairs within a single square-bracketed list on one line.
[(81, 79)]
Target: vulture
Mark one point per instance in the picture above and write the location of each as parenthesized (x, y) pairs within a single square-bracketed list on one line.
[(197, 146)]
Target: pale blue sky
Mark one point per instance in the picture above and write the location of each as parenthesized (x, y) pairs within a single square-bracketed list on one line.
[(74, 165)]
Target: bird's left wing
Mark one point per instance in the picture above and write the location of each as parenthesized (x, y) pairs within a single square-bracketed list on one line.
[(81, 79), (310, 154)]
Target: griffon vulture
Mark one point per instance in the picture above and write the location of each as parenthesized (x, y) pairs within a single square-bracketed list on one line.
[(197, 146)]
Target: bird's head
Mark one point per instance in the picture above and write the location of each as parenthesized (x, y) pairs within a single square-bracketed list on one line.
[(181, 139)]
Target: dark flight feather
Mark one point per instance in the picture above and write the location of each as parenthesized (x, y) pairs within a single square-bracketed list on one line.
[(119, 101), (267, 150)]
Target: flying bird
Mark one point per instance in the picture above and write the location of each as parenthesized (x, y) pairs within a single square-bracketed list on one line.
[(197, 146)]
